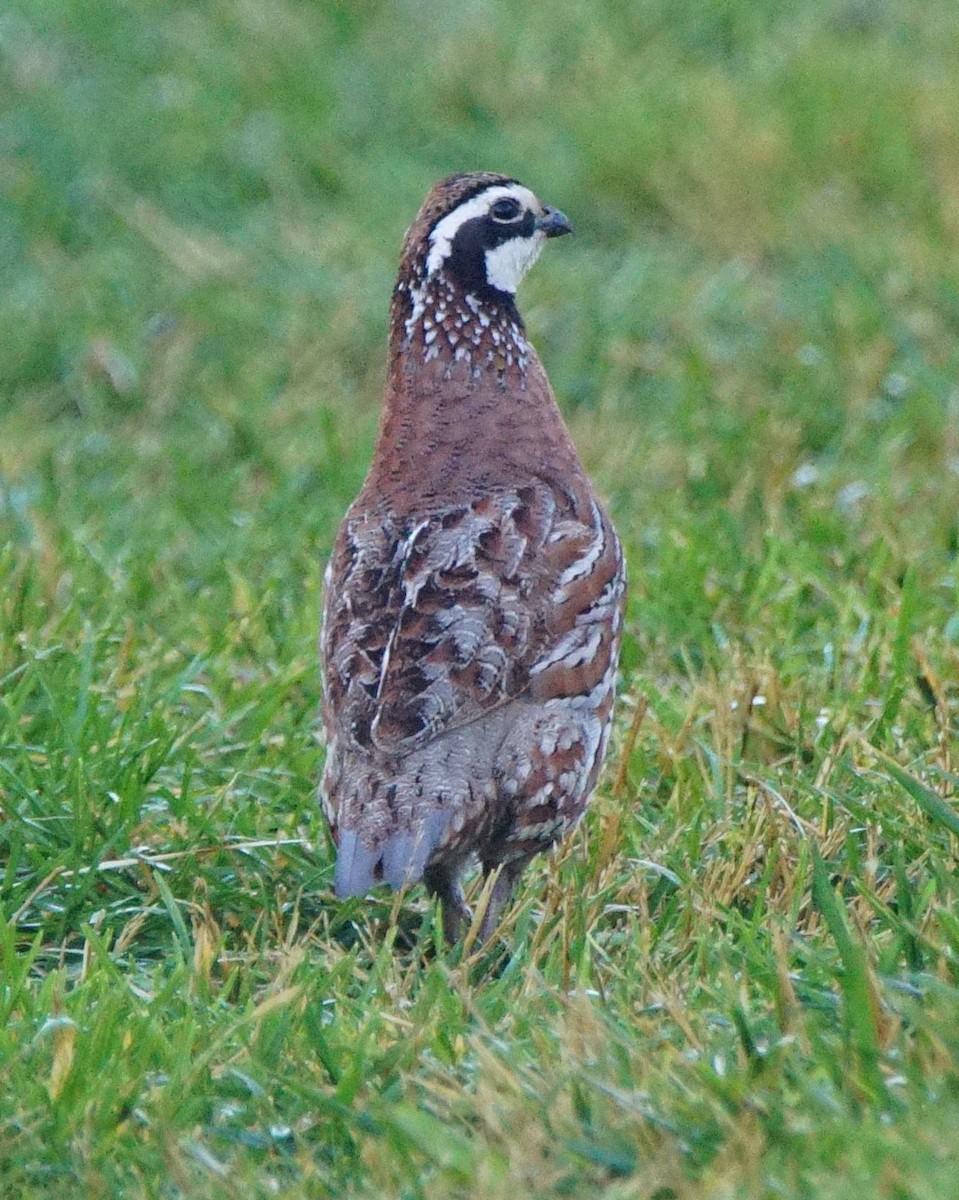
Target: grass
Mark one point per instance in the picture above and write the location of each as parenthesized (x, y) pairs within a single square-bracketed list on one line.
[(741, 977)]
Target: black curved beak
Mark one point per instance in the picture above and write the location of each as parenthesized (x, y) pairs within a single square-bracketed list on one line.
[(553, 223)]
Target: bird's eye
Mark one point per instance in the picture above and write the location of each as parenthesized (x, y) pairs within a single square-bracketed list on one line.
[(507, 209)]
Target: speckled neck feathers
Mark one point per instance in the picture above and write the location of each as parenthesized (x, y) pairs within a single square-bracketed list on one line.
[(438, 320), (467, 403)]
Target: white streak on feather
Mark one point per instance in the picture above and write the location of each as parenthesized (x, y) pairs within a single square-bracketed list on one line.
[(405, 553), (583, 565), (576, 647)]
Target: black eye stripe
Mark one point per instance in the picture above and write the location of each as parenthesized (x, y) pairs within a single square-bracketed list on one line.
[(506, 209)]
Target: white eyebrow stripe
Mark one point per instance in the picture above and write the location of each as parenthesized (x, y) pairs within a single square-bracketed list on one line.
[(441, 239)]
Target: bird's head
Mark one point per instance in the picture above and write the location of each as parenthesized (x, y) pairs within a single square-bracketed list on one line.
[(474, 238), (480, 232), (483, 231)]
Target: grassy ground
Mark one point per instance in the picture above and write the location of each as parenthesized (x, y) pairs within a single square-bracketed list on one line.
[(741, 978)]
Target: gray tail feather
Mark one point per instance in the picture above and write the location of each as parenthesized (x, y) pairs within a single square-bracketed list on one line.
[(399, 859), (354, 865)]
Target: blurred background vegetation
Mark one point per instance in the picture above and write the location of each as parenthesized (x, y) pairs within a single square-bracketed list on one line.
[(754, 334), (202, 206)]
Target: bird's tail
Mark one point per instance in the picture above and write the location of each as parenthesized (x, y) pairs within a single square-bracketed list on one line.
[(399, 858)]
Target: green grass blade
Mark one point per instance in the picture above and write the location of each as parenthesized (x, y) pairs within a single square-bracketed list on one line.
[(859, 1004), (933, 805)]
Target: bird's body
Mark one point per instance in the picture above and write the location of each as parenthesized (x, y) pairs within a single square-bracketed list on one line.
[(473, 599)]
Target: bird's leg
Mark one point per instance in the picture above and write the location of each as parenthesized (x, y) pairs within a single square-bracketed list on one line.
[(443, 881), (500, 895)]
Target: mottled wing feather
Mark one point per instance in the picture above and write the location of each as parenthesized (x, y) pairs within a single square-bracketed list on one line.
[(583, 616), (432, 626), (549, 771), (426, 628)]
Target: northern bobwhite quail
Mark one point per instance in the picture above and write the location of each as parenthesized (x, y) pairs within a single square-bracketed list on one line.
[(473, 600)]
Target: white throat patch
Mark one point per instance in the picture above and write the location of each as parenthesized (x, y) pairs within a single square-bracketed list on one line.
[(507, 263), (441, 239)]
